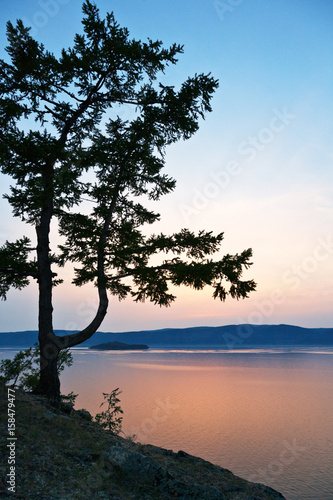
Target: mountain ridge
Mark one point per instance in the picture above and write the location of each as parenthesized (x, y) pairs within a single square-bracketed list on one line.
[(227, 337)]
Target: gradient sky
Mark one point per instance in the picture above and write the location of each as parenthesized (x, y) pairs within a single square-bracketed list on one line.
[(259, 169)]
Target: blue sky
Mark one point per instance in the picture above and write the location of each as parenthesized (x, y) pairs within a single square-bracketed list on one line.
[(259, 169)]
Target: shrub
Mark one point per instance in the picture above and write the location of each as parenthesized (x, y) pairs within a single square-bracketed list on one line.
[(110, 418), (23, 370)]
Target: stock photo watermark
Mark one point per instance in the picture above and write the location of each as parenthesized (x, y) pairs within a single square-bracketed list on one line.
[(300, 272), (288, 454), (248, 150), (293, 278), (225, 8), (11, 475), (48, 9), (161, 413), (86, 310)]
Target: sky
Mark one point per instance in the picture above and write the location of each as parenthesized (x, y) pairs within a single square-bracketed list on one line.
[(259, 169)]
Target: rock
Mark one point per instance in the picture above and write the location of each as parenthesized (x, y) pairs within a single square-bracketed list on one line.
[(146, 471), (188, 491), (49, 415), (63, 407), (269, 491), (84, 414), (159, 451), (182, 453), (141, 467), (88, 457)]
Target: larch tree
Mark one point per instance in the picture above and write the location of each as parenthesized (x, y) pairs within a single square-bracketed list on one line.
[(73, 101)]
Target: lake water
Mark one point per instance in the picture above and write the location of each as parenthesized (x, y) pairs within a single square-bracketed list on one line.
[(266, 415)]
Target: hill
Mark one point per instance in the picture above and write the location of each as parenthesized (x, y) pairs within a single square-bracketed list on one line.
[(62, 454), (224, 337)]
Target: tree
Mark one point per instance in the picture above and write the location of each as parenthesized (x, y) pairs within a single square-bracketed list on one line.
[(78, 148)]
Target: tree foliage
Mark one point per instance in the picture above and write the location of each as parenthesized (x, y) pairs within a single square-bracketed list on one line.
[(15, 270), (65, 146)]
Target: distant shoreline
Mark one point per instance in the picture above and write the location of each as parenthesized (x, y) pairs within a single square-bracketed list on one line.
[(231, 337)]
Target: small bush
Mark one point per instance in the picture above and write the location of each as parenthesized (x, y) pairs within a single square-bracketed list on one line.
[(110, 419), (23, 370)]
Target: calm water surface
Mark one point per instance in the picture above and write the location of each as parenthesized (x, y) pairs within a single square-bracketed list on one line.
[(265, 415)]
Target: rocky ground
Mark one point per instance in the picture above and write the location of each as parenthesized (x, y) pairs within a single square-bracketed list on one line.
[(61, 453)]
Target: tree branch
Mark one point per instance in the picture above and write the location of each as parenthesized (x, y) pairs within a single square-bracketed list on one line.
[(20, 274), (133, 272), (70, 94), (81, 109)]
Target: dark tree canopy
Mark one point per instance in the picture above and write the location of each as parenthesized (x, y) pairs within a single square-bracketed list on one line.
[(63, 142)]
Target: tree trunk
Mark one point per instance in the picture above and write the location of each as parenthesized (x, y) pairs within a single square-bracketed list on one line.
[(77, 338), (49, 383)]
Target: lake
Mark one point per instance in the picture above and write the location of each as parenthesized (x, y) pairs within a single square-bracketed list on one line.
[(266, 415)]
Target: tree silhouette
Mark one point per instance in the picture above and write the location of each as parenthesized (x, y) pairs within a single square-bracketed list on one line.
[(63, 142)]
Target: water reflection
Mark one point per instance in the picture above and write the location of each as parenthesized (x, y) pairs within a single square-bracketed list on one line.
[(264, 415)]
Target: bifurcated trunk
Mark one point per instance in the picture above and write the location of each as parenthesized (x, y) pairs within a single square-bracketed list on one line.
[(85, 334), (78, 338), (50, 344)]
